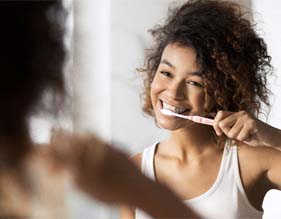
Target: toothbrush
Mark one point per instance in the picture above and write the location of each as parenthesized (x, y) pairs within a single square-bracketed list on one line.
[(197, 119)]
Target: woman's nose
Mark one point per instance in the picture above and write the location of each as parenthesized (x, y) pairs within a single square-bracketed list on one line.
[(177, 91)]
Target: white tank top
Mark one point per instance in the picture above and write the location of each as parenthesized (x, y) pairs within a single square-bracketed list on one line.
[(226, 199)]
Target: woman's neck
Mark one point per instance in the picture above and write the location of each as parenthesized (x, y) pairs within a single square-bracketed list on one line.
[(191, 142)]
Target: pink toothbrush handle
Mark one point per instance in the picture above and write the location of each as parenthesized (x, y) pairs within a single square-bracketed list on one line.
[(203, 120), (208, 121)]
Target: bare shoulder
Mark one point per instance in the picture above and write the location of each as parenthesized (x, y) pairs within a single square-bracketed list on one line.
[(137, 159), (261, 151), (260, 165), (261, 157)]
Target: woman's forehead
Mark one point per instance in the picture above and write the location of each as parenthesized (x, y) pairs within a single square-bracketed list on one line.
[(181, 58)]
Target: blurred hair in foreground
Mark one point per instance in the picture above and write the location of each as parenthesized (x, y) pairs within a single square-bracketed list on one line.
[(32, 56)]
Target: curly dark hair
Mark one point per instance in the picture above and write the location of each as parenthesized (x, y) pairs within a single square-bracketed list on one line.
[(32, 55), (233, 57)]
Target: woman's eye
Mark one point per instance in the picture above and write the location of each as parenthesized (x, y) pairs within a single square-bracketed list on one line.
[(168, 74), (194, 83)]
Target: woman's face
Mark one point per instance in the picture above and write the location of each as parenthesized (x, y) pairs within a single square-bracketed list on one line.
[(177, 86)]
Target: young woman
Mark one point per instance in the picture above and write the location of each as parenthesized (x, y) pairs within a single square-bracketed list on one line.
[(208, 61)]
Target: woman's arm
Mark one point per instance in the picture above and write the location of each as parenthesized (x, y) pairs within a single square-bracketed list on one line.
[(160, 202), (272, 160)]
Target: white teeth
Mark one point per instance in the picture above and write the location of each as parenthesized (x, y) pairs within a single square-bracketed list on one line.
[(173, 108), (180, 110)]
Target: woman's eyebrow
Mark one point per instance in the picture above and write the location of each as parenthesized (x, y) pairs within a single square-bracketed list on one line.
[(196, 73), (165, 61)]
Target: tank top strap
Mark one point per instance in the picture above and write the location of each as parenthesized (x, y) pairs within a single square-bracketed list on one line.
[(230, 158), (147, 161), (236, 170)]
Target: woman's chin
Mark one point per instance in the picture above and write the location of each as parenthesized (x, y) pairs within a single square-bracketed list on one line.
[(169, 125)]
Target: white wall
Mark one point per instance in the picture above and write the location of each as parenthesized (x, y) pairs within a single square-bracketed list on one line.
[(92, 66)]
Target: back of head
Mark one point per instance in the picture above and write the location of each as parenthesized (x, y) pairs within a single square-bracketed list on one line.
[(31, 61)]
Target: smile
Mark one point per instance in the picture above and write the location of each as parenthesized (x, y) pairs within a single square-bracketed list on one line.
[(174, 109)]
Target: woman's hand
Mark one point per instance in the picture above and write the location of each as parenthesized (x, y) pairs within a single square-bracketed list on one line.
[(244, 127)]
